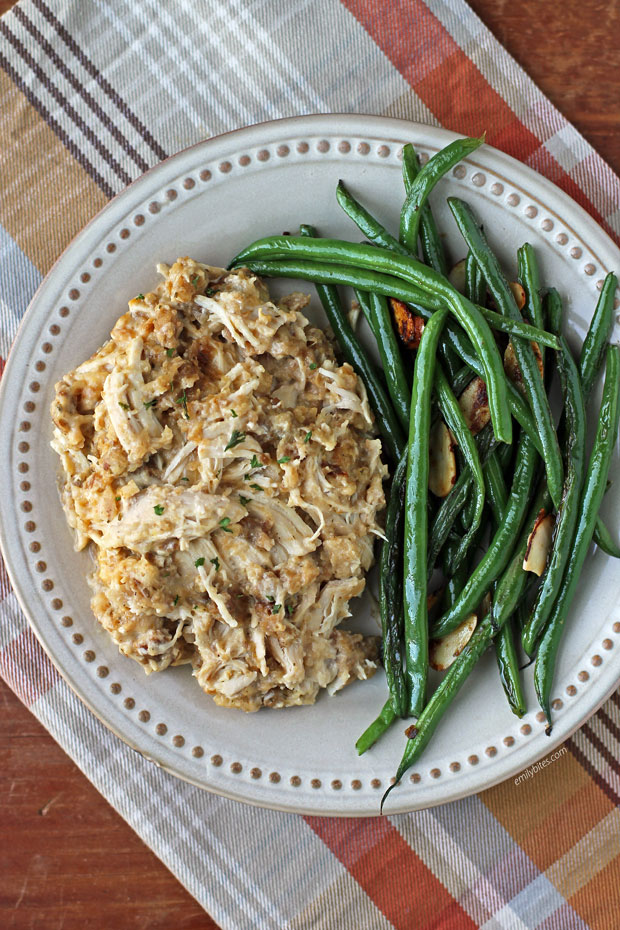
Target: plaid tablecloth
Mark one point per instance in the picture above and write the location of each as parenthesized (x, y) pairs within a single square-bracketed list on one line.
[(92, 94)]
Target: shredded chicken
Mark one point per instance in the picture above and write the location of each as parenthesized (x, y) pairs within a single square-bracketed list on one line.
[(225, 472)]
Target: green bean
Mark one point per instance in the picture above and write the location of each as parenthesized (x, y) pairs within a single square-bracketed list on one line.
[(377, 728), (442, 697), (435, 168), (604, 540), (462, 378), (566, 518), (532, 381), (452, 505), (366, 222), (529, 276), (495, 486), (512, 585), (432, 246), (453, 416), (381, 260), (416, 516), (553, 311), (505, 652), (459, 671), (475, 287), (498, 553), (387, 422), (595, 343), (593, 492), (508, 665), (375, 309), (390, 591)]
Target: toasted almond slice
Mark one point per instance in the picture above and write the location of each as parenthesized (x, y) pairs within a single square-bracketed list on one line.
[(511, 366), (456, 275), (442, 460), (408, 326), (443, 652), (539, 544), (474, 403), (519, 294)]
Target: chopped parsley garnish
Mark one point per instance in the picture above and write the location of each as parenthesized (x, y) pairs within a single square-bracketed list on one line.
[(195, 279), (244, 500), (118, 498), (233, 413), (184, 479), (169, 352), (150, 403), (199, 561), (140, 297), (176, 601), (308, 436), (224, 524), (276, 608), (254, 463), (284, 459), (289, 609), (235, 438), (256, 487), (313, 365), (211, 291), (215, 562), (159, 509), (271, 599), (124, 406), (183, 400)]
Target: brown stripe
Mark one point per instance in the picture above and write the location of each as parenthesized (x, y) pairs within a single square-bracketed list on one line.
[(616, 699), (131, 118), (84, 94), (47, 196), (592, 772), (19, 46), (598, 744), (611, 725), (58, 130)]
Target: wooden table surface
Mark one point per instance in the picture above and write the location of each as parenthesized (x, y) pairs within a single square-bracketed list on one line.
[(68, 861)]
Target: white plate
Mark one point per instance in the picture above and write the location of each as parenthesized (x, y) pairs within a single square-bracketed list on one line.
[(208, 202)]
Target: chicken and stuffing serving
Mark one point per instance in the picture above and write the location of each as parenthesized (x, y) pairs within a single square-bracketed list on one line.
[(225, 472)]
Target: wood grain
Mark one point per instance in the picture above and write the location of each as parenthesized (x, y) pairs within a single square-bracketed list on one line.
[(68, 860)]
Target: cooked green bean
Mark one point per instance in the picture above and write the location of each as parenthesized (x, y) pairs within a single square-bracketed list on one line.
[(390, 591), (377, 728), (366, 222), (597, 337), (456, 676), (453, 416), (566, 518), (416, 516), (376, 311), (387, 421), (435, 168), (604, 540), (475, 286), (508, 665), (498, 553), (593, 492), (529, 276), (433, 251), (495, 486), (526, 360)]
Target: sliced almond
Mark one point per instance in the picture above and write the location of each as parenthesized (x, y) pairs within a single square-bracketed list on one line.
[(443, 652), (408, 326), (474, 403), (511, 366), (519, 294), (539, 544), (457, 275), (442, 460)]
